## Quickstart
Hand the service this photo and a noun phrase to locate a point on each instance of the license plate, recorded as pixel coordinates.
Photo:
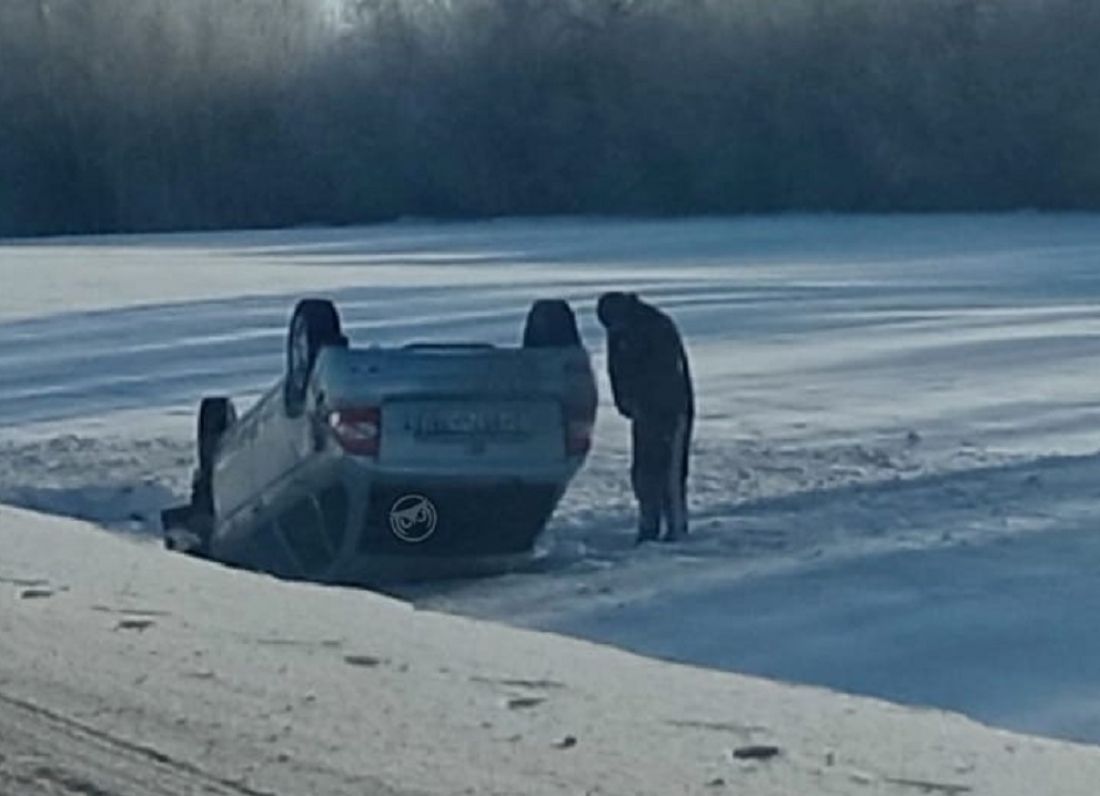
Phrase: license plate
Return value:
(465, 423)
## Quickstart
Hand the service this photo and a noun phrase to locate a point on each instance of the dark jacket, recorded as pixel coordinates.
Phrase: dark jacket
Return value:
(648, 366)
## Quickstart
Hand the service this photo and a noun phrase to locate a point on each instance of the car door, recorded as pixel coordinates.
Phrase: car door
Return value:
(282, 444)
(234, 482)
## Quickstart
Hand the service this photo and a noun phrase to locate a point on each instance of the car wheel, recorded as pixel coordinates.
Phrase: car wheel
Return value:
(551, 323)
(216, 415)
(314, 325)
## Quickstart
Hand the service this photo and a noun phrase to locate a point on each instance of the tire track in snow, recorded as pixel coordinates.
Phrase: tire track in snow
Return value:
(48, 754)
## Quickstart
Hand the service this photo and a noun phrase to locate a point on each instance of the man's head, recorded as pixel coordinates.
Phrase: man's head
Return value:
(615, 309)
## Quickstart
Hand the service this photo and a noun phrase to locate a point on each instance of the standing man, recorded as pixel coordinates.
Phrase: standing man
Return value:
(651, 384)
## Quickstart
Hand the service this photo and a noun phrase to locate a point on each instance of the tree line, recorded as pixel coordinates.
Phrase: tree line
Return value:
(125, 115)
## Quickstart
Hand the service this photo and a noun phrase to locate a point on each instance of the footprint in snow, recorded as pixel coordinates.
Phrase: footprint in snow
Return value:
(26, 582)
(524, 703)
(135, 623)
(365, 661)
(541, 684)
(520, 683)
(755, 752)
(129, 612)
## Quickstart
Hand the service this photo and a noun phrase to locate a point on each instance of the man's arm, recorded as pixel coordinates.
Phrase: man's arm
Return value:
(622, 372)
(664, 369)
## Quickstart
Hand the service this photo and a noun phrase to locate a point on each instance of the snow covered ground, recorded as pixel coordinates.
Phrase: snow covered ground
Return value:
(130, 672)
(895, 463)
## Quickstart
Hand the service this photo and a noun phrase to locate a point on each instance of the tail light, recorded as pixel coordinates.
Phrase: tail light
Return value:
(578, 437)
(359, 430)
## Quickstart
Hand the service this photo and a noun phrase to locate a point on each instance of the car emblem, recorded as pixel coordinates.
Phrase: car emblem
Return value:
(413, 518)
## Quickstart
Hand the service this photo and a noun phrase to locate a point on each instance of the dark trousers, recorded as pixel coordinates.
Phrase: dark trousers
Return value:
(659, 474)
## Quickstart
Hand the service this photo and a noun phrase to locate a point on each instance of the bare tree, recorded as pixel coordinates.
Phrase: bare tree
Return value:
(159, 114)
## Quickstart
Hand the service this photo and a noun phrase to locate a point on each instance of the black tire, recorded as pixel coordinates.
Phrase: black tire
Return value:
(216, 415)
(313, 325)
(551, 324)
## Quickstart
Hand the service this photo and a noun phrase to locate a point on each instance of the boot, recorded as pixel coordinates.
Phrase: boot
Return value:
(649, 527)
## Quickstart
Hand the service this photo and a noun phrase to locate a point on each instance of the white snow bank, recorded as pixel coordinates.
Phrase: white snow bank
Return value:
(291, 688)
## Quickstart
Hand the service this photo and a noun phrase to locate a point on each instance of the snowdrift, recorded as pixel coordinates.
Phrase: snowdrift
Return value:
(127, 670)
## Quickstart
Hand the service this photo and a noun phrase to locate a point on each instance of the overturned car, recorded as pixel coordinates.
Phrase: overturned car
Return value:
(377, 463)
